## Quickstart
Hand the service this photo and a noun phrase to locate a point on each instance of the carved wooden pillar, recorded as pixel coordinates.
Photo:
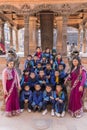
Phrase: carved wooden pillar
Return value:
(11, 35)
(84, 40)
(79, 38)
(59, 34)
(26, 35)
(2, 39)
(32, 34)
(64, 35)
(46, 21)
(17, 45)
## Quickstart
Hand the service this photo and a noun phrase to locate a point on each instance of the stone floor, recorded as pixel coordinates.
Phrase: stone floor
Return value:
(35, 121)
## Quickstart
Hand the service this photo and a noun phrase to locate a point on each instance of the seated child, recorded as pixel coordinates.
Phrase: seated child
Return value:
(32, 80)
(60, 101)
(48, 72)
(35, 61)
(48, 98)
(55, 79)
(43, 62)
(62, 72)
(38, 68)
(28, 63)
(25, 78)
(42, 79)
(47, 54)
(38, 53)
(26, 97)
(37, 98)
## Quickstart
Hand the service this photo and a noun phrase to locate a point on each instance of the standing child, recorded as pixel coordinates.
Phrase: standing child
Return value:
(60, 101)
(26, 97)
(48, 98)
(25, 78)
(11, 85)
(37, 98)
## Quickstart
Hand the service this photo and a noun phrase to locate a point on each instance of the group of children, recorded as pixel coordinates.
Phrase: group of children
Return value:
(42, 83)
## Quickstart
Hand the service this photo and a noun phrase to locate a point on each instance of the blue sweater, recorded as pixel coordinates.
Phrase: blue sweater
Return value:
(46, 95)
(26, 95)
(37, 97)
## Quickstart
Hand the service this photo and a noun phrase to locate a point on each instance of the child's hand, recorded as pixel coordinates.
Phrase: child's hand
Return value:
(57, 99)
(51, 97)
(61, 101)
(26, 101)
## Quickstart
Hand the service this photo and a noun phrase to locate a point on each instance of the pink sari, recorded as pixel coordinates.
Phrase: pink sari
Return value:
(11, 84)
(75, 102)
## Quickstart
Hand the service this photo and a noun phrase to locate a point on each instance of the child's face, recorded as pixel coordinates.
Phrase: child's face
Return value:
(59, 56)
(56, 73)
(51, 61)
(27, 88)
(58, 88)
(48, 66)
(60, 67)
(48, 89)
(32, 75)
(11, 64)
(29, 57)
(26, 73)
(37, 87)
(38, 50)
(39, 66)
(35, 58)
(41, 73)
(48, 50)
(43, 58)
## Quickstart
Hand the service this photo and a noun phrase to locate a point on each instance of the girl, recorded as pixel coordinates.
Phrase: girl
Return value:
(78, 78)
(11, 85)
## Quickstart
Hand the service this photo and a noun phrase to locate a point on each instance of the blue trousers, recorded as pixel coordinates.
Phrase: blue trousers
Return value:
(46, 103)
(59, 107)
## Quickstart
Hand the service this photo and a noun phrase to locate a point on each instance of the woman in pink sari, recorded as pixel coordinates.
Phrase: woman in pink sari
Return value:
(11, 85)
(78, 78)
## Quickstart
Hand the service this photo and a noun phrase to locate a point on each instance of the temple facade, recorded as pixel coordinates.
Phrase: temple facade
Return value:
(44, 23)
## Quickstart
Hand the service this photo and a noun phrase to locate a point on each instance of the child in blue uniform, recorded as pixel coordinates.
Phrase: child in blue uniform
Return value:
(37, 98)
(32, 80)
(48, 98)
(26, 97)
(60, 101)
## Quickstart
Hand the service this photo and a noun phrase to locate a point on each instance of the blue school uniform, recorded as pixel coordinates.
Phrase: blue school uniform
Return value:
(32, 82)
(37, 99)
(60, 107)
(47, 100)
(28, 65)
(25, 95)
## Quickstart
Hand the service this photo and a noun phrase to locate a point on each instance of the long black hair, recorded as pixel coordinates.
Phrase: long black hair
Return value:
(79, 63)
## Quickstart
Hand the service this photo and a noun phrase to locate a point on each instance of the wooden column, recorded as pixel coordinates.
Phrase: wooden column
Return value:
(26, 35)
(46, 21)
(32, 34)
(17, 45)
(2, 39)
(64, 35)
(59, 34)
(79, 38)
(84, 40)
(11, 35)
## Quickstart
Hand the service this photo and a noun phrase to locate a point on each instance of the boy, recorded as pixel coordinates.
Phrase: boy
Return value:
(26, 97)
(60, 101)
(42, 79)
(37, 98)
(48, 98)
